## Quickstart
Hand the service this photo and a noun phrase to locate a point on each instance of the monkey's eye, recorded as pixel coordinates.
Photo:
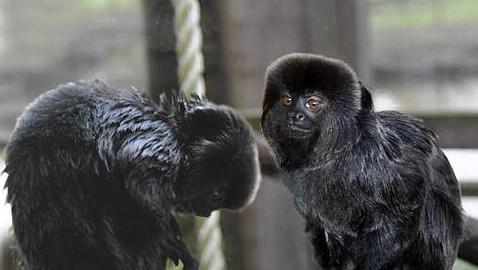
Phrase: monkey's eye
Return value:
(286, 100)
(312, 104)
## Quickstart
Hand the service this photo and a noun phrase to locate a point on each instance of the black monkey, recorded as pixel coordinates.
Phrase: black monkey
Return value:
(94, 173)
(374, 188)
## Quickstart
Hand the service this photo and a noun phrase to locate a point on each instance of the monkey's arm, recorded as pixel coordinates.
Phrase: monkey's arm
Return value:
(138, 147)
(152, 187)
(140, 151)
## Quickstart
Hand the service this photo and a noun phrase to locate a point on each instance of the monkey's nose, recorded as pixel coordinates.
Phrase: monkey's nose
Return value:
(299, 116)
(295, 117)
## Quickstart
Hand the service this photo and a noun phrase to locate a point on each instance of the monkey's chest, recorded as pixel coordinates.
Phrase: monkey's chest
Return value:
(329, 204)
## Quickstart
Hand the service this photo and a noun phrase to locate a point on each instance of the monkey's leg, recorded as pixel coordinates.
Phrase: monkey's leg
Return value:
(327, 250)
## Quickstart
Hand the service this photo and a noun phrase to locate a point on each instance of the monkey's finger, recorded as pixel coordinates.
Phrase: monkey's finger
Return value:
(191, 264)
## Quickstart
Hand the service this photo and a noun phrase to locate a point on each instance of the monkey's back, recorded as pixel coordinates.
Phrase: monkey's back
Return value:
(56, 135)
(440, 223)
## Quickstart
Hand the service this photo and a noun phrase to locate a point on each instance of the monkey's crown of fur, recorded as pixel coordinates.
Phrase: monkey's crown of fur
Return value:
(302, 72)
(307, 61)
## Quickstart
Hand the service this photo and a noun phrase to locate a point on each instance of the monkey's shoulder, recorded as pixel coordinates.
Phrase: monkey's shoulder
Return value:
(138, 135)
(397, 134)
(404, 125)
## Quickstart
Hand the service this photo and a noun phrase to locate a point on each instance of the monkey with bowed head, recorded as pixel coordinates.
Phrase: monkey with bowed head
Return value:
(94, 173)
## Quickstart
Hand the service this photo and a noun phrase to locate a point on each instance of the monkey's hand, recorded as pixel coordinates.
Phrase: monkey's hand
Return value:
(176, 249)
(190, 263)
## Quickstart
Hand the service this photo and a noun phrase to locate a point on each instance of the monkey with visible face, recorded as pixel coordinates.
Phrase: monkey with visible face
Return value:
(94, 173)
(374, 188)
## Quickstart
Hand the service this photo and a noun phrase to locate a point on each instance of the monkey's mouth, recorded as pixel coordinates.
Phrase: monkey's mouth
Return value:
(193, 208)
(202, 213)
(299, 131)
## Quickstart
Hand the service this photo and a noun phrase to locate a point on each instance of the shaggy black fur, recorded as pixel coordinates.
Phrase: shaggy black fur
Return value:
(93, 175)
(374, 188)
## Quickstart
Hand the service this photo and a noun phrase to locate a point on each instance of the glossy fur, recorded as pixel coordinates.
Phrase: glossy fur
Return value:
(94, 173)
(374, 188)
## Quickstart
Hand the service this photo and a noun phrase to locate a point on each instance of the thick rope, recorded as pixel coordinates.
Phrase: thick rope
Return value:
(210, 244)
(190, 75)
(188, 46)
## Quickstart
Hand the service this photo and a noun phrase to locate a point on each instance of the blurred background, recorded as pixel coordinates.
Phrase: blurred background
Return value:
(417, 56)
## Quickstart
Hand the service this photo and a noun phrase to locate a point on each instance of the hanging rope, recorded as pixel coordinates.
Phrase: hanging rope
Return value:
(210, 244)
(188, 46)
(190, 75)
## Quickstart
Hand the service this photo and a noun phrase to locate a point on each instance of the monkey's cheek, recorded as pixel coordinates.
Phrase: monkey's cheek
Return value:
(239, 199)
(257, 178)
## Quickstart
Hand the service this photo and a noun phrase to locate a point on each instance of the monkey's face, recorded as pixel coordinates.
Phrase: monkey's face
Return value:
(201, 200)
(225, 178)
(307, 95)
(221, 169)
(297, 116)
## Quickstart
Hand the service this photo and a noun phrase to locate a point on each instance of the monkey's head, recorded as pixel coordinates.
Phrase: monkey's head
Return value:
(220, 167)
(308, 96)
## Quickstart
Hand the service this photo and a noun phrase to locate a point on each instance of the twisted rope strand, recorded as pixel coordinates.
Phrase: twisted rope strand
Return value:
(188, 46)
(190, 74)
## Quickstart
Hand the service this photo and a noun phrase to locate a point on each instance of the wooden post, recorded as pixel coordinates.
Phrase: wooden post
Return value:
(161, 53)
(340, 29)
(254, 33)
(160, 46)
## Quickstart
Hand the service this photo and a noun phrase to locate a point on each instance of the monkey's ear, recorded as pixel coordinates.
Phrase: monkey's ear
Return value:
(366, 101)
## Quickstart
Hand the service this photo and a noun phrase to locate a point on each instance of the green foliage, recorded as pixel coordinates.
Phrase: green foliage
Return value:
(462, 265)
(106, 4)
(171, 266)
(423, 14)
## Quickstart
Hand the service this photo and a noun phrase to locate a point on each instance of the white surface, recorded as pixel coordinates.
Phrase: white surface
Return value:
(470, 205)
(2, 36)
(464, 163)
(5, 212)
